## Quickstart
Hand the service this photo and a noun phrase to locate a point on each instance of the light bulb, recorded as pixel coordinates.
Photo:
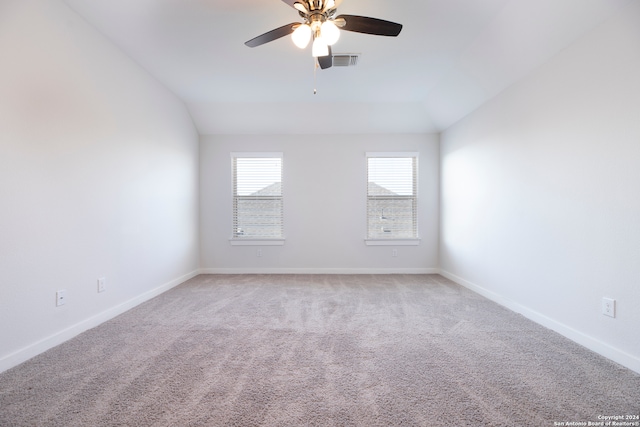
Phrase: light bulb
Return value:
(330, 33)
(301, 36)
(319, 48)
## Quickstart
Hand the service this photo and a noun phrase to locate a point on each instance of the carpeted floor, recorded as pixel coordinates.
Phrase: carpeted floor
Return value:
(294, 350)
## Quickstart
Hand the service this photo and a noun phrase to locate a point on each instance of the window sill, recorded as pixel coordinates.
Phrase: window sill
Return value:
(392, 242)
(256, 242)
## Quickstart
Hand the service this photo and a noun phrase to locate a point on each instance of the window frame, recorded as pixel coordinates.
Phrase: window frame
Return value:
(235, 240)
(394, 240)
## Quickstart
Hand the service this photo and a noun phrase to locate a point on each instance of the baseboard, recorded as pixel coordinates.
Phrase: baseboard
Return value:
(591, 343)
(58, 338)
(319, 271)
(625, 359)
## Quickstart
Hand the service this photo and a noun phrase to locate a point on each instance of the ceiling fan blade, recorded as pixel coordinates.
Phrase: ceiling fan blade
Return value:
(326, 61)
(363, 24)
(272, 35)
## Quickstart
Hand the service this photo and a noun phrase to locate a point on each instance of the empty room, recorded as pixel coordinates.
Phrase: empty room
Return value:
(320, 213)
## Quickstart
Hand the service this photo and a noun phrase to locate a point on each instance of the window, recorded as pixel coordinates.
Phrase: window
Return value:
(392, 198)
(257, 198)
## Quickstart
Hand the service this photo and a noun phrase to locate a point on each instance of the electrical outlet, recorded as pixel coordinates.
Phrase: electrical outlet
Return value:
(61, 297)
(609, 307)
(102, 284)
(394, 252)
(259, 253)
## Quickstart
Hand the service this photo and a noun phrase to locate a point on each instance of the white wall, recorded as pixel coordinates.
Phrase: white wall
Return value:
(540, 192)
(325, 205)
(98, 178)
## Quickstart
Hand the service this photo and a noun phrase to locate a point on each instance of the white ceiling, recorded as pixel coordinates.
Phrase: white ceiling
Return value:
(451, 57)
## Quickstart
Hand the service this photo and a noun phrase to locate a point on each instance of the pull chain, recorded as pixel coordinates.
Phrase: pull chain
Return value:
(315, 72)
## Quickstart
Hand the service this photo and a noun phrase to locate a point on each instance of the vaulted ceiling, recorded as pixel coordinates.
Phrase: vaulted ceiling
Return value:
(451, 57)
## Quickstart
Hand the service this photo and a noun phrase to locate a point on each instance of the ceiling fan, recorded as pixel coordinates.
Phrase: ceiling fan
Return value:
(321, 25)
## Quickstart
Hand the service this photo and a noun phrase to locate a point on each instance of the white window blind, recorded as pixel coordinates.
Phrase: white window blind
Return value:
(392, 196)
(257, 196)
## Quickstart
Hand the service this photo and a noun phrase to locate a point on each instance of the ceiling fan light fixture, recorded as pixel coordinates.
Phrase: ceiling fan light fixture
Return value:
(329, 4)
(301, 7)
(319, 48)
(322, 26)
(301, 36)
(330, 33)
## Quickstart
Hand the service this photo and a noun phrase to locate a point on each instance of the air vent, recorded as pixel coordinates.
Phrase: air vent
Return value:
(345, 60)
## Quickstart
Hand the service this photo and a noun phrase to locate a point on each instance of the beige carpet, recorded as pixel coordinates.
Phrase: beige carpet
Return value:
(396, 350)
